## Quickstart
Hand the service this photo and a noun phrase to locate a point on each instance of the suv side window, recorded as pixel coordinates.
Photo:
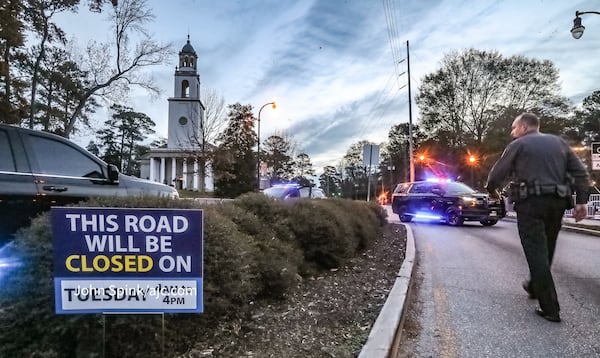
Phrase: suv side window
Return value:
(421, 188)
(401, 188)
(57, 158)
(6, 159)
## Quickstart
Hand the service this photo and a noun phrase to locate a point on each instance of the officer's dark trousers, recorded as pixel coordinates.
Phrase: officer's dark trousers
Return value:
(539, 219)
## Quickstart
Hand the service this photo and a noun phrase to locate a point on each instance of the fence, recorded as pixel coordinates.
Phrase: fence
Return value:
(593, 207)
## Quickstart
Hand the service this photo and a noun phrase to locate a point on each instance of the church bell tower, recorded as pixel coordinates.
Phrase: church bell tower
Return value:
(186, 111)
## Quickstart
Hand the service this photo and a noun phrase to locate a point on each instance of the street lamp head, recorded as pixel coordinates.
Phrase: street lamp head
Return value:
(274, 105)
(578, 28)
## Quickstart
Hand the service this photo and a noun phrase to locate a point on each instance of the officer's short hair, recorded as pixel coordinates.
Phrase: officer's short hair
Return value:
(530, 120)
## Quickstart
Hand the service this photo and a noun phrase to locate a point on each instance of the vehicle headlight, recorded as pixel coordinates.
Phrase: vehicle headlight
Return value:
(469, 201)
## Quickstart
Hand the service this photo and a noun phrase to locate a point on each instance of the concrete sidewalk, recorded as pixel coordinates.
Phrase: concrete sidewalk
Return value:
(589, 226)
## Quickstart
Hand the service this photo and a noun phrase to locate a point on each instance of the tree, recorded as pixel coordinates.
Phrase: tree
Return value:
(215, 121)
(40, 13)
(12, 99)
(122, 137)
(331, 181)
(20, 68)
(61, 83)
(93, 148)
(159, 143)
(302, 166)
(215, 116)
(234, 162)
(354, 184)
(110, 71)
(460, 101)
(276, 154)
(396, 161)
(590, 117)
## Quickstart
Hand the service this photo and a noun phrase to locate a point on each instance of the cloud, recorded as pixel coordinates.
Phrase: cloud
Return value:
(329, 64)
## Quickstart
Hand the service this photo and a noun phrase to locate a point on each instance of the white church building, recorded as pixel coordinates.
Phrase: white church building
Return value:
(178, 163)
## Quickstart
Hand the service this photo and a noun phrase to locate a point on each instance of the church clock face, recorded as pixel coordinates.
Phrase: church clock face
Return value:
(183, 121)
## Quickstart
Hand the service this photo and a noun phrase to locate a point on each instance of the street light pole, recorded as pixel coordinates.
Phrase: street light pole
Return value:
(578, 28)
(258, 140)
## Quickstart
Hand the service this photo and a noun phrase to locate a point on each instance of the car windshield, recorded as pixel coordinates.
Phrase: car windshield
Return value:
(455, 188)
(276, 192)
(306, 192)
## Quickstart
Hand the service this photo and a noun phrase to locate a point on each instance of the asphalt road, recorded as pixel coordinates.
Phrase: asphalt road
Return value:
(468, 300)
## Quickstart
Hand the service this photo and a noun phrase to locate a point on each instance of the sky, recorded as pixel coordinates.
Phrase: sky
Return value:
(330, 65)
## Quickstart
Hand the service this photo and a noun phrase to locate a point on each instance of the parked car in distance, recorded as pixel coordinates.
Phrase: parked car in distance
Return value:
(446, 201)
(283, 191)
(312, 192)
(39, 170)
(291, 191)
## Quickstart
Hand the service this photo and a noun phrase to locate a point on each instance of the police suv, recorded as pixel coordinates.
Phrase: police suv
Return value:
(445, 201)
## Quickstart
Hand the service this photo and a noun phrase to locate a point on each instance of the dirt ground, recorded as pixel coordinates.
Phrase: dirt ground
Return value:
(328, 316)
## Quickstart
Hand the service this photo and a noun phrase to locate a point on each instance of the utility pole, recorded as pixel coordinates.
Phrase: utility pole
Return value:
(410, 131)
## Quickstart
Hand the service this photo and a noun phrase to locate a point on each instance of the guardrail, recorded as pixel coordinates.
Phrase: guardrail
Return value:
(593, 206)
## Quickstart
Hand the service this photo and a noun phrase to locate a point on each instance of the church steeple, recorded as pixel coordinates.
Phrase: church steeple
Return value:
(187, 57)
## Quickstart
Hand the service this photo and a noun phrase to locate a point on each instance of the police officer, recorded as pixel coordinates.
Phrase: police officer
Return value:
(544, 170)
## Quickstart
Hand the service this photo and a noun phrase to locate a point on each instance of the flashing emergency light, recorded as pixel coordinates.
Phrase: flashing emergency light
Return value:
(439, 180)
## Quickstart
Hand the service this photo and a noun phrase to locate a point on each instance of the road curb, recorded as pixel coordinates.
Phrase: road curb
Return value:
(384, 337)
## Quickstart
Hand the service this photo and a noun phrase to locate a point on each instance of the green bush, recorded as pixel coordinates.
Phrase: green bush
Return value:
(365, 222)
(278, 260)
(269, 211)
(323, 232)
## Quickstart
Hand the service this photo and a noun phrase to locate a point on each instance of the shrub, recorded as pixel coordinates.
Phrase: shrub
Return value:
(278, 260)
(323, 232)
(365, 224)
(269, 211)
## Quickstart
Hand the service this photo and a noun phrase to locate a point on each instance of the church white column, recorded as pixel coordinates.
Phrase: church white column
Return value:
(152, 170)
(174, 171)
(184, 174)
(196, 176)
(162, 169)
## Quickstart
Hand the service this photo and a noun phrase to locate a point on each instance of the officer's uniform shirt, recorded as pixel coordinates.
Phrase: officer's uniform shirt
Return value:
(540, 157)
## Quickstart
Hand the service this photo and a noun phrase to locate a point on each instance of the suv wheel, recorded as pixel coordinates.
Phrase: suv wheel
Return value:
(402, 215)
(453, 218)
(488, 222)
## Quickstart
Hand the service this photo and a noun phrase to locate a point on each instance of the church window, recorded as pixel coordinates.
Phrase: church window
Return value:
(185, 85)
(183, 121)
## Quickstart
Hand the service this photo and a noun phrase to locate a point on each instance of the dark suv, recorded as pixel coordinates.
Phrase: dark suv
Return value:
(39, 170)
(447, 201)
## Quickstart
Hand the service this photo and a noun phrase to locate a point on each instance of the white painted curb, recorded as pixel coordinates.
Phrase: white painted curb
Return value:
(384, 338)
